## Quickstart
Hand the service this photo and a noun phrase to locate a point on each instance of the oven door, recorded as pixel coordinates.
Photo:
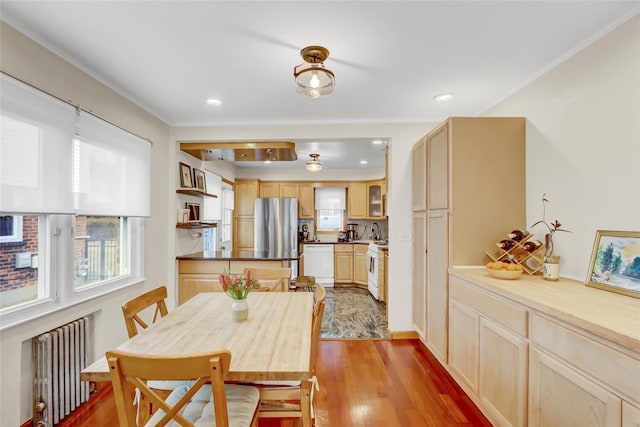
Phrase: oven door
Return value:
(372, 273)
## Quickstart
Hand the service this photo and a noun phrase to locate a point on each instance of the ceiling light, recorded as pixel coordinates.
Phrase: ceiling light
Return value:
(314, 165)
(443, 97)
(213, 101)
(267, 162)
(312, 77)
(377, 142)
(363, 162)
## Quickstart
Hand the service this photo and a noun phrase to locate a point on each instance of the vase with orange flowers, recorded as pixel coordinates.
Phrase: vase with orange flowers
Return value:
(238, 286)
(551, 262)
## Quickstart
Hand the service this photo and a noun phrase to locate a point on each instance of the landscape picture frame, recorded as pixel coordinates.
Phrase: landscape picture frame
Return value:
(615, 262)
(199, 180)
(194, 211)
(186, 177)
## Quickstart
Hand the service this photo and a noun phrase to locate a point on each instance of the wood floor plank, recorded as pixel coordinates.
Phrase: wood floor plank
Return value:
(368, 383)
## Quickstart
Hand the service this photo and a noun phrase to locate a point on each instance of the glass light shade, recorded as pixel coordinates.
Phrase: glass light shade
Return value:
(314, 165)
(314, 80)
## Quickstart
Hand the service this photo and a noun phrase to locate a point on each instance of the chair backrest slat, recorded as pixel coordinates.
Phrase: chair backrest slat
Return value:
(131, 308)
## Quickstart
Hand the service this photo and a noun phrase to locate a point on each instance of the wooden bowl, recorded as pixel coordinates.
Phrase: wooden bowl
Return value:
(504, 274)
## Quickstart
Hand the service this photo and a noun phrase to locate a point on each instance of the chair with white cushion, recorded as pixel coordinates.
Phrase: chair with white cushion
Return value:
(204, 401)
(287, 399)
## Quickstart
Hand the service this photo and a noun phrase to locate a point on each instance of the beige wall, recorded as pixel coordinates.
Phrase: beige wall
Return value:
(30, 62)
(583, 143)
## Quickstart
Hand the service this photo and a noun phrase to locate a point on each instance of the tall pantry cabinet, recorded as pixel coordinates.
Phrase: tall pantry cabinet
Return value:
(468, 191)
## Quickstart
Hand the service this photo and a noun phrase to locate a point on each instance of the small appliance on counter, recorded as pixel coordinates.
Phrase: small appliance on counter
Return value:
(303, 234)
(352, 233)
(342, 236)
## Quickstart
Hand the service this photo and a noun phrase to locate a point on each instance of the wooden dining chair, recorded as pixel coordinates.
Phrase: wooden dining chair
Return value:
(204, 400)
(131, 311)
(274, 279)
(132, 308)
(287, 399)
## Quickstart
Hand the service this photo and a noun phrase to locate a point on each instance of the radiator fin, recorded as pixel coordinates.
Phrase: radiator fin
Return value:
(58, 357)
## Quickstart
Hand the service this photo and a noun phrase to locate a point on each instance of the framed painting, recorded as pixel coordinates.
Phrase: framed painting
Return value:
(186, 179)
(615, 262)
(199, 180)
(194, 211)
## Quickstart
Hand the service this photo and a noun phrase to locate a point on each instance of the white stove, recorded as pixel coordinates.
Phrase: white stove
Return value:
(374, 257)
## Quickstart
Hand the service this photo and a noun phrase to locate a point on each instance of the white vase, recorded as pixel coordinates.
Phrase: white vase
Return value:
(239, 310)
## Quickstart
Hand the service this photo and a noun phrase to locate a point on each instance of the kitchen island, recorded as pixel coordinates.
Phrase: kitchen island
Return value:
(198, 272)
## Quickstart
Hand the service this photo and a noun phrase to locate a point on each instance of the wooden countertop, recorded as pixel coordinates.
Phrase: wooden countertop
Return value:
(610, 315)
(241, 256)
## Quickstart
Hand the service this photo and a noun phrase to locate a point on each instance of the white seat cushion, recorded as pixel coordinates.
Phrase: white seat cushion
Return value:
(278, 383)
(242, 402)
(167, 384)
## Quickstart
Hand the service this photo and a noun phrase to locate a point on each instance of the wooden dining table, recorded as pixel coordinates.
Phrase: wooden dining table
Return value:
(274, 343)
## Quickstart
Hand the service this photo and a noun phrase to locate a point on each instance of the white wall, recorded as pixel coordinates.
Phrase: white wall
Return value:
(402, 137)
(30, 62)
(583, 144)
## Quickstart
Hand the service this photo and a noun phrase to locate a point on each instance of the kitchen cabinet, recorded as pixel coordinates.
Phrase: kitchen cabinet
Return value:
(245, 192)
(456, 167)
(533, 355)
(562, 396)
(419, 282)
(243, 234)
(289, 189)
(436, 283)
(357, 200)
(269, 189)
(419, 175)
(306, 200)
(343, 263)
(374, 200)
(360, 267)
(197, 276)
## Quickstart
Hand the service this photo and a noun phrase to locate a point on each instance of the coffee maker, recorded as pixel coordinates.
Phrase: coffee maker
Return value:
(352, 233)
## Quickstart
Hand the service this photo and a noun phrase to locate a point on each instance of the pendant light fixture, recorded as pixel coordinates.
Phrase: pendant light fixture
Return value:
(312, 77)
(314, 165)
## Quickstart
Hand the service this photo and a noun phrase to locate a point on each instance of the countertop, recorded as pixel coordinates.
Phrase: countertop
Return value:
(382, 244)
(608, 314)
(241, 256)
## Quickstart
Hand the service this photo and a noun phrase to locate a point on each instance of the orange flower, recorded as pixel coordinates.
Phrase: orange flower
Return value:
(237, 286)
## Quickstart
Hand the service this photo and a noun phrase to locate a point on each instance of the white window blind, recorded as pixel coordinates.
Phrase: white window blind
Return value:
(330, 198)
(213, 205)
(36, 133)
(112, 168)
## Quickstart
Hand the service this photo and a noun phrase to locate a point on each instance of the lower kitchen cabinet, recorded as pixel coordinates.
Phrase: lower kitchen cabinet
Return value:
(360, 267)
(502, 385)
(437, 282)
(560, 396)
(343, 263)
(575, 363)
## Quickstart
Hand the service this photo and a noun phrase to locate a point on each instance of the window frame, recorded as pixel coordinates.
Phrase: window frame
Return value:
(56, 264)
(16, 235)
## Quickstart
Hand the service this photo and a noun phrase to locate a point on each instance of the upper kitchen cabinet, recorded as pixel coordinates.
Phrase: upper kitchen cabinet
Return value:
(305, 201)
(246, 191)
(438, 168)
(289, 189)
(419, 176)
(375, 200)
(358, 200)
(269, 189)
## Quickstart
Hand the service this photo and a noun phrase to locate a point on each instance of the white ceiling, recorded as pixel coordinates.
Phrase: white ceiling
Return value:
(389, 57)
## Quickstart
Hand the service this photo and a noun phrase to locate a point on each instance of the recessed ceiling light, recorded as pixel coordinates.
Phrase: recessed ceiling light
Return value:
(377, 142)
(443, 97)
(267, 162)
(363, 162)
(213, 101)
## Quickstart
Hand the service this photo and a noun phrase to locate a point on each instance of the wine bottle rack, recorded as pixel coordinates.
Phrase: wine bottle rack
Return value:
(531, 262)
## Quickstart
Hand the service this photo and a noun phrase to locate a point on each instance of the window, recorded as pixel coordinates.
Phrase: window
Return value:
(10, 229)
(71, 227)
(100, 249)
(226, 226)
(330, 205)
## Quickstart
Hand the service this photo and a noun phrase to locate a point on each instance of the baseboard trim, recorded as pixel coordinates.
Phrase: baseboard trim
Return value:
(404, 335)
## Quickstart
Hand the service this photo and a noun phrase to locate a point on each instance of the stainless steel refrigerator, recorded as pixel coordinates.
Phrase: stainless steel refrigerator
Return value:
(276, 226)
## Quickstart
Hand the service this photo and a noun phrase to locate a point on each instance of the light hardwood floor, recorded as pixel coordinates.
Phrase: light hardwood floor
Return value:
(362, 383)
